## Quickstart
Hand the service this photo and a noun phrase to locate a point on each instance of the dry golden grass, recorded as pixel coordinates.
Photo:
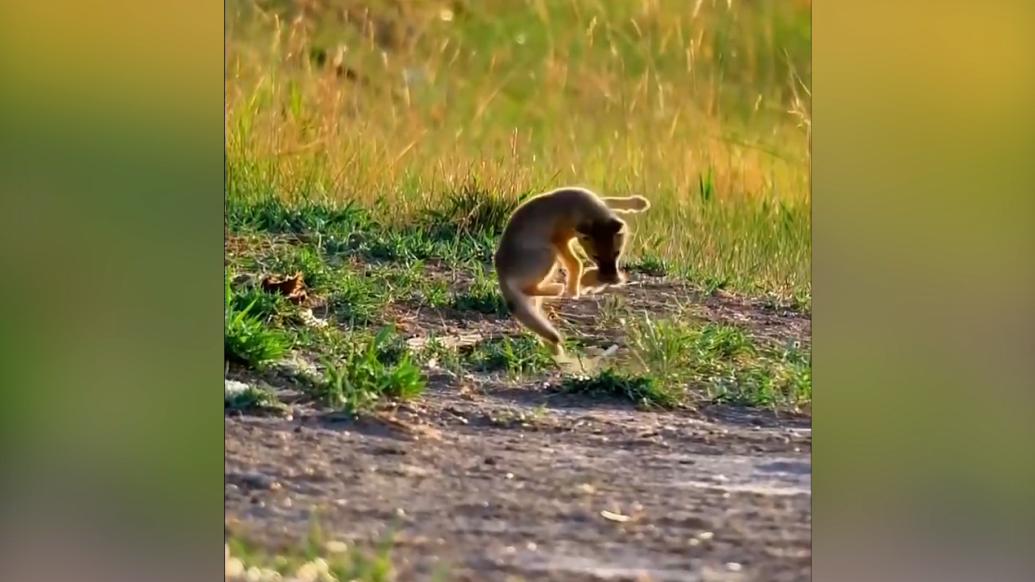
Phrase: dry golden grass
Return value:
(701, 106)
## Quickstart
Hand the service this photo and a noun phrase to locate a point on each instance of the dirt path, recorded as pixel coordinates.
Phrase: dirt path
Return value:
(502, 481)
(509, 484)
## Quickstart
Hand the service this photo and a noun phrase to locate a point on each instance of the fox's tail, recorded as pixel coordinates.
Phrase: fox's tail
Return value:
(627, 204)
(523, 309)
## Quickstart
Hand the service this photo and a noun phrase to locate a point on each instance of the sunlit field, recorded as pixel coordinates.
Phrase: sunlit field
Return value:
(401, 107)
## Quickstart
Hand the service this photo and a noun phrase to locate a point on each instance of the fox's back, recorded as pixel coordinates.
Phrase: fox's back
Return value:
(549, 215)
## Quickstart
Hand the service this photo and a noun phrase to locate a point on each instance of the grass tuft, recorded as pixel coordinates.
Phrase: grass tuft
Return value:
(517, 356)
(373, 369)
(276, 216)
(259, 303)
(356, 299)
(650, 264)
(645, 391)
(483, 296)
(723, 361)
(471, 210)
(247, 337)
(253, 399)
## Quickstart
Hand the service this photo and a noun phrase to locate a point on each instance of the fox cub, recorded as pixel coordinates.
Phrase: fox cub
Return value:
(540, 235)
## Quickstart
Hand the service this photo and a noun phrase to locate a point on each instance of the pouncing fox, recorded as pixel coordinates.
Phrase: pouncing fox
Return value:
(540, 236)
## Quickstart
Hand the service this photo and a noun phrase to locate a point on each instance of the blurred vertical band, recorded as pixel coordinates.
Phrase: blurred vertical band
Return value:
(923, 290)
(111, 179)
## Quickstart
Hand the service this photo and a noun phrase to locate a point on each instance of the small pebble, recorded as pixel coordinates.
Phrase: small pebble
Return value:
(307, 572)
(336, 547)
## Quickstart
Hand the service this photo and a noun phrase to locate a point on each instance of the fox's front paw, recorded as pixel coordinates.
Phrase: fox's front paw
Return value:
(572, 294)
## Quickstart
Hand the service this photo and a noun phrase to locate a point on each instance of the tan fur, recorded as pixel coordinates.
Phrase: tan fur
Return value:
(540, 236)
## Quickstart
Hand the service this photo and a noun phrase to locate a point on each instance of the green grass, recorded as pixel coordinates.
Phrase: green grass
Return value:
(457, 235)
(372, 369)
(356, 299)
(259, 304)
(436, 354)
(253, 399)
(483, 295)
(669, 360)
(384, 171)
(650, 264)
(644, 390)
(783, 381)
(316, 558)
(247, 336)
(671, 363)
(520, 356)
(722, 361)
(308, 261)
(471, 211)
(361, 368)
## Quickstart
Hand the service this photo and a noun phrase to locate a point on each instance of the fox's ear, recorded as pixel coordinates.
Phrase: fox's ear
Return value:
(614, 226)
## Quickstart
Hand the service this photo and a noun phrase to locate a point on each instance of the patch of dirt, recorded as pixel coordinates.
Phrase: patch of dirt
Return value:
(660, 297)
(595, 318)
(499, 481)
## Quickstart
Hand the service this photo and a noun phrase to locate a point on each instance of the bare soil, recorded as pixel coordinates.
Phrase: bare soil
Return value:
(487, 479)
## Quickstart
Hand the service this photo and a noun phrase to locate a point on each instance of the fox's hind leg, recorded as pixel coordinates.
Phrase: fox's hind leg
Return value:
(544, 287)
(572, 266)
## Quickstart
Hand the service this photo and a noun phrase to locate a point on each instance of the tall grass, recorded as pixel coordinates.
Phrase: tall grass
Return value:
(702, 106)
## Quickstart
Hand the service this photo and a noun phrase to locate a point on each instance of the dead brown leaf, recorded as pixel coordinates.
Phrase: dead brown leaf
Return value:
(291, 287)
